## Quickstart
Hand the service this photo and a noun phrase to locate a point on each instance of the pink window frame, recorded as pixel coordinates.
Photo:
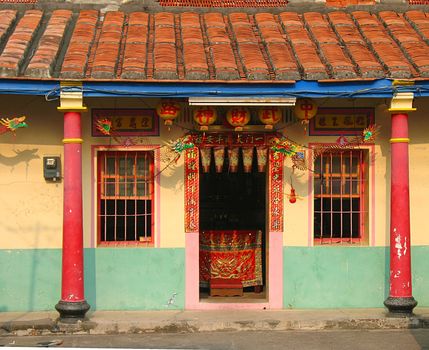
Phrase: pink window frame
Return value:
(370, 168)
(95, 195)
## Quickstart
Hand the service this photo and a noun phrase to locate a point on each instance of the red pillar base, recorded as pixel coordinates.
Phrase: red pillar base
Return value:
(71, 312)
(400, 306)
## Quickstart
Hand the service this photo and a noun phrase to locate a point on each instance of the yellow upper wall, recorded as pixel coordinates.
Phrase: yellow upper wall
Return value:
(33, 207)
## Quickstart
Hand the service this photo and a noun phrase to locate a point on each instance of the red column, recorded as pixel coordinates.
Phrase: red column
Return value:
(400, 300)
(72, 305)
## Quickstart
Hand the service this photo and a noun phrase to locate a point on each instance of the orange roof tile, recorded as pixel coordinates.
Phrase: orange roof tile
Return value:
(213, 46)
(17, 46)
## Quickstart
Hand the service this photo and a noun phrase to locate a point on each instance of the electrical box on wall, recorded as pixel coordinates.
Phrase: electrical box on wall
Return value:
(52, 168)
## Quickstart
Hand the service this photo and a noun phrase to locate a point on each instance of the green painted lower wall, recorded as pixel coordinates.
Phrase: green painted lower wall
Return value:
(115, 279)
(135, 279)
(30, 279)
(346, 277)
(146, 279)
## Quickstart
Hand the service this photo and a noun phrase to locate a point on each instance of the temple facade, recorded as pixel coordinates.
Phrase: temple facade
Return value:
(216, 159)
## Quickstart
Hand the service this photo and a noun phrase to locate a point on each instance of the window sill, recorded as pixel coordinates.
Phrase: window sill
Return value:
(125, 244)
(339, 242)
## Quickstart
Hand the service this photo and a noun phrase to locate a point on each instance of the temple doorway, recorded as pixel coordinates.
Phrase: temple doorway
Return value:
(232, 225)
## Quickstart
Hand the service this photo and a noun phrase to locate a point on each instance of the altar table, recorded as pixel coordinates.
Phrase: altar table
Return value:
(234, 254)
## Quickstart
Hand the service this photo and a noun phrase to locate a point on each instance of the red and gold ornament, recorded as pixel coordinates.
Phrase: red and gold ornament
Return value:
(292, 196)
(11, 125)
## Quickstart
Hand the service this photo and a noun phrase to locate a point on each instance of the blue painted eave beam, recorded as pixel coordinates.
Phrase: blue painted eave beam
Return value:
(357, 89)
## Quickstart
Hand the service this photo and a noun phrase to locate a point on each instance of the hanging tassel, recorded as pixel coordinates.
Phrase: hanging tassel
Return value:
(292, 195)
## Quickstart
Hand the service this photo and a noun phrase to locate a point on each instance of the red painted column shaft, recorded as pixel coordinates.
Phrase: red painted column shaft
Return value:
(400, 252)
(72, 268)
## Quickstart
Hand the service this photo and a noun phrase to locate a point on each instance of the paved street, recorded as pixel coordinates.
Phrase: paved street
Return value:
(302, 340)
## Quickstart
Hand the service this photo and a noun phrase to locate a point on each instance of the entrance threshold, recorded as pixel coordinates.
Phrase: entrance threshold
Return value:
(247, 297)
(245, 305)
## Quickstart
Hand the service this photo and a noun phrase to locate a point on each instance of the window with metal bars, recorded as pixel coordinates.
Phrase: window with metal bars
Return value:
(125, 188)
(341, 197)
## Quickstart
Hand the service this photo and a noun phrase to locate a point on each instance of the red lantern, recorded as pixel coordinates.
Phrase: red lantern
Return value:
(168, 111)
(270, 116)
(238, 117)
(305, 109)
(205, 116)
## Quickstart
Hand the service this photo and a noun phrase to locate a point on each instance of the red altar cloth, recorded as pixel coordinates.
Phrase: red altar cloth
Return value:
(231, 254)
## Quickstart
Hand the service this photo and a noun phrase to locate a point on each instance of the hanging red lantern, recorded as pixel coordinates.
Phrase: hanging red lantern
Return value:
(168, 111)
(205, 116)
(292, 195)
(238, 117)
(270, 116)
(305, 109)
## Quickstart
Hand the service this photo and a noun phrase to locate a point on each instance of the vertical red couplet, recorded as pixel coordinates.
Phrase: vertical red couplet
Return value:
(72, 269)
(400, 252)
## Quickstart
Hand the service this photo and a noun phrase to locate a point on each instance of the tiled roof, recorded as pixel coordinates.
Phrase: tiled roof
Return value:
(213, 46)
(344, 3)
(224, 3)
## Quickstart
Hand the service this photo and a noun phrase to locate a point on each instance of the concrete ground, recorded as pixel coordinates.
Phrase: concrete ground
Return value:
(177, 321)
(401, 339)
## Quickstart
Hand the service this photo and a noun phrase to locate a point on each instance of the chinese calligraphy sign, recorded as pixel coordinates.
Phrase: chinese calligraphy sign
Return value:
(341, 121)
(127, 122)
